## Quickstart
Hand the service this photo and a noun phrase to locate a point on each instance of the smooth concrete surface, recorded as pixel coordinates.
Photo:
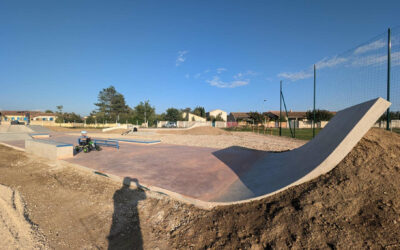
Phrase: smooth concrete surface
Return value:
(279, 171)
(19, 129)
(39, 135)
(195, 172)
(49, 149)
(39, 129)
(139, 141)
(14, 136)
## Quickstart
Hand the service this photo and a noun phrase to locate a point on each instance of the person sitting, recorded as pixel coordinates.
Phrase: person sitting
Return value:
(84, 139)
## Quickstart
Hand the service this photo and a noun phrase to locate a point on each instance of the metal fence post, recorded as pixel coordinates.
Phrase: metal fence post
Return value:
(388, 79)
(313, 124)
(280, 110)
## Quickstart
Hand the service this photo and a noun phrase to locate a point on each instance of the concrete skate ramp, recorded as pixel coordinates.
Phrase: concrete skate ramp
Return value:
(278, 171)
(39, 129)
(49, 149)
(19, 129)
(14, 136)
(14, 129)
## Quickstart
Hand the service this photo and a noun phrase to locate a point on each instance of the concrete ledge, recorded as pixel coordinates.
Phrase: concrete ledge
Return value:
(39, 135)
(49, 149)
(135, 141)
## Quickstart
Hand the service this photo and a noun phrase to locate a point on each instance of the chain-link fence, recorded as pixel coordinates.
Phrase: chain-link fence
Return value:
(357, 75)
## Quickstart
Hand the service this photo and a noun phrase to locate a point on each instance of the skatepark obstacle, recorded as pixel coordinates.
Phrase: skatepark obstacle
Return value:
(49, 149)
(279, 171)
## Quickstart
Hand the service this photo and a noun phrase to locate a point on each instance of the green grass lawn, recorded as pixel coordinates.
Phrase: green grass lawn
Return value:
(302, 134)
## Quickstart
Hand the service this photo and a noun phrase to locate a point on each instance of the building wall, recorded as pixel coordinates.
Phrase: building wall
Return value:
(44, 118)
(10, 118)
(193, 117)
(216, 112)
(13, 118)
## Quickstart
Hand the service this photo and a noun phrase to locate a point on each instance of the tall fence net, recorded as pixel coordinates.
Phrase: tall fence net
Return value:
(354, 76)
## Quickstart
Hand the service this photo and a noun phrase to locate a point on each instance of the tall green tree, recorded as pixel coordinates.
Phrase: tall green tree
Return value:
(60, 115)
(104, 99)
(173, 115)
(144, 112)
(320, 115)
(256, 117)
(111, 105)
(72, 117)
(200, 111)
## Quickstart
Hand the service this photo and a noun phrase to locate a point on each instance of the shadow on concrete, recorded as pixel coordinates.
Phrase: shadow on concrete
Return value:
(125, 230)
(239, 159)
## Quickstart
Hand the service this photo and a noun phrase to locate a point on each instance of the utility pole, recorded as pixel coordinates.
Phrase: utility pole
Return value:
(280, 110)
(388, 79)
(313, 124)
(145, 114)
(262, 111)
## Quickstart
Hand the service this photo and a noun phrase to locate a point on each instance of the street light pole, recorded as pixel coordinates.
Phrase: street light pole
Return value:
(263, 109)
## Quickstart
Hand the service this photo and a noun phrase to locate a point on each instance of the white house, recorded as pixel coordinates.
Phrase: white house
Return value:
(217, 112)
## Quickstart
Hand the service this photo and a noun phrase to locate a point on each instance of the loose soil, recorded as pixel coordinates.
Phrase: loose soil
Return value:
(78, 130)
(356, 205)
(195, 131)
(239, 139)
(16, 229)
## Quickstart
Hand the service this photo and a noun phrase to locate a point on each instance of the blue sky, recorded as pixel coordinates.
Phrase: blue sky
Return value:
(217, 54)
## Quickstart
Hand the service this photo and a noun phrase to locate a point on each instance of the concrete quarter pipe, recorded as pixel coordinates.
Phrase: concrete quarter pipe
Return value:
(278, 171)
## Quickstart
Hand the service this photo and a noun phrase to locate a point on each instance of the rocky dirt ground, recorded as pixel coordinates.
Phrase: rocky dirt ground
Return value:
(214, 138)
(200, 136)
(354, 206)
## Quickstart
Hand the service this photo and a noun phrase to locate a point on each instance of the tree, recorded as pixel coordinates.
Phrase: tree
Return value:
(104, 100)
(60, 117)
(48, 111)
(393, 116)
(118, 105)
(256, 117)
(320, 115)
(187, 110)
(144, 112)
(218, 118)
(59, 109)
(173, 115)
(200, 111)
(90, 120)
(72, 117)
(110, 105)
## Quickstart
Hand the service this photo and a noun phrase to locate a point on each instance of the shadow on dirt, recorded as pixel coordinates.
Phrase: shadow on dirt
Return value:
(125, 230)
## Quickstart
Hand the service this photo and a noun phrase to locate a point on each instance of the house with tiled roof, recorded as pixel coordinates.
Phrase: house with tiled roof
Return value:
(24, 115)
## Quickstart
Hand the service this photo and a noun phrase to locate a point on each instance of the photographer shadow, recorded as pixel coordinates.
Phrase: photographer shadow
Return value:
(125, 231)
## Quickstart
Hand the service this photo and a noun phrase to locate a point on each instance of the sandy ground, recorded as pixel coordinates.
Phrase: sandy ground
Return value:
(216, 139)
(354, 206)
(202, 137)
(16, 229)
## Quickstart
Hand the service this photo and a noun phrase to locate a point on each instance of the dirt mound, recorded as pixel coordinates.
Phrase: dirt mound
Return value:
(354, 206)
(16, 230)
(197, 131)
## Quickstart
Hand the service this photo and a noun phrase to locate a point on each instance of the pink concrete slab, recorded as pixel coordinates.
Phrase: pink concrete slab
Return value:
(192, 171)
(197, 172)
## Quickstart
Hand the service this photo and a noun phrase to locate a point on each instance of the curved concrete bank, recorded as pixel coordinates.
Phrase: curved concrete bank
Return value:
(279, 171)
